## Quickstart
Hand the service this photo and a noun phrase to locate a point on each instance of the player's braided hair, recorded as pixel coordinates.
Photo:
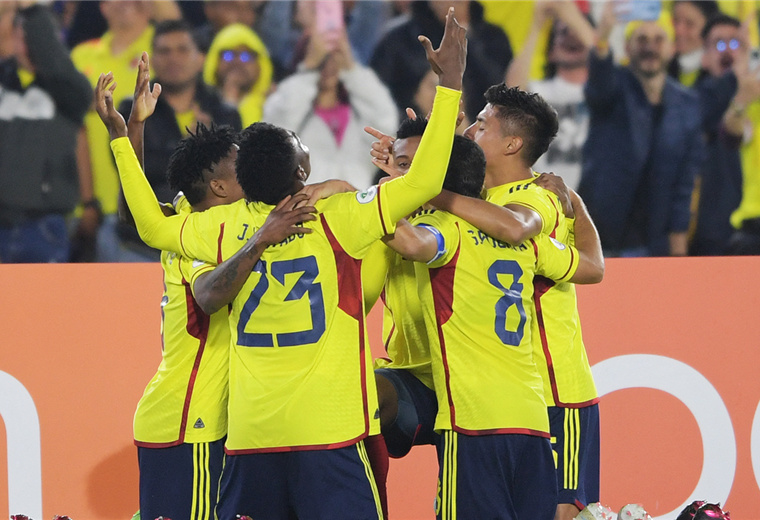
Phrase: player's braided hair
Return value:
(195, 154)
(527, 115)
(266, 163)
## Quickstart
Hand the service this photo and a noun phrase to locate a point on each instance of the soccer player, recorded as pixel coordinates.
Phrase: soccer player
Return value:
(181, 420)
(495, 460)
(514, 129)
(299, 403)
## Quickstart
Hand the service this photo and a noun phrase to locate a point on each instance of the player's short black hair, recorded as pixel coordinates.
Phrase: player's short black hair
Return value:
(266, 163)
(708, 8)
(172, 26)
(467, 168)
(411, 128)
(719, 19)
(196, 153)
(525, 114)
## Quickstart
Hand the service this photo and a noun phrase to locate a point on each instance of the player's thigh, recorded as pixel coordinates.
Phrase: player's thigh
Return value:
(495, 476)
(254, 485)
(416, 409)
(180, 481)
(333, 485)
(535, 482)
(575, 439)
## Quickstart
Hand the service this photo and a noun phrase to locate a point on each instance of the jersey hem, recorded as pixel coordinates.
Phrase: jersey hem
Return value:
(502, 431)
(306, 447)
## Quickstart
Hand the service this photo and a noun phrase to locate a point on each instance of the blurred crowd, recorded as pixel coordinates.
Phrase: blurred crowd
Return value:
(659, 111)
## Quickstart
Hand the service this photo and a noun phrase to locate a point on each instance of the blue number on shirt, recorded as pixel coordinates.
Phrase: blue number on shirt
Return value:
(305, 285)
(512, 296)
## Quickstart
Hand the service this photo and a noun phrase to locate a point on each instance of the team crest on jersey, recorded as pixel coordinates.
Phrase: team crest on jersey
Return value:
(558, 244)
(367, 196)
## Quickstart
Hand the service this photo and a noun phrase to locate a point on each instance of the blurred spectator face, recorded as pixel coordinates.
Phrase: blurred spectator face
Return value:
(688, 22)
(328, 79)
(441, 9)
(403, 152)
(176, 60)
(125, 14)
(567, 50)
(425, 94)
(649, 49)
(239, 63)
(221, 13)
(721, 48)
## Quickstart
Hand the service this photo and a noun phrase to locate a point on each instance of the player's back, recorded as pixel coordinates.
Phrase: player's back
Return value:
(478, 297)
(300, 360)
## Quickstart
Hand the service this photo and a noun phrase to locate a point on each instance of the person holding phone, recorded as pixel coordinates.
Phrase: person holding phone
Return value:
(329, 101)
(644, 143)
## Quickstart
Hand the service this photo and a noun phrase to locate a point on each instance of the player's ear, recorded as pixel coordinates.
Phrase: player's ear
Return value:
(218, 188)
(513, 145)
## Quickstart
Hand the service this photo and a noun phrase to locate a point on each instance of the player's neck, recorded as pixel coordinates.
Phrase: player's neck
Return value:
(505, 174)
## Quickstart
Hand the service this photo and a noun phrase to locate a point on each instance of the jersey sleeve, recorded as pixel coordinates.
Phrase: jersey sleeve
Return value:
(401, 196)
(375, 268)
(192, 235)
(192, 269)
(555, 260)
(443, 226)
(543, 202)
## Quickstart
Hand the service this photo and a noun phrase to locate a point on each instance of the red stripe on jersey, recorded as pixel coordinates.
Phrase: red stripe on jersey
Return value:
(181, 233)
(197, 327)
(309, 447)
(351, 301)
(553, 234)
(380, 209)
(572, 261)
(442, 284)
(219, 258)
(502, 431)
(142, 444)
(390, 335)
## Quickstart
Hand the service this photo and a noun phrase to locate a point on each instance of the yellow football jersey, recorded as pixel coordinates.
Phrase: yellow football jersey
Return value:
(476, 298)
(404, 329)
(93, 58)
(557, 339)
(300, 364)
(186, 401)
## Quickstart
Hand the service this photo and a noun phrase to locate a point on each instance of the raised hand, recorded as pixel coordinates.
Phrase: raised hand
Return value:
(282, 221)
(145, 100)
(111, 117)
(382, 148)
(450, 59)
(322, 190)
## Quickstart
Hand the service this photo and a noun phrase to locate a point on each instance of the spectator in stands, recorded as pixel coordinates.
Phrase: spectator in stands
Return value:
(644, 143)
(220, 14)
(118, 50)
(328, 102)
(689, 20)
(185, 100)
(571, 38)
(719, 184)
(285, 26)
(399, 57)
(238, 65)
(43, 100)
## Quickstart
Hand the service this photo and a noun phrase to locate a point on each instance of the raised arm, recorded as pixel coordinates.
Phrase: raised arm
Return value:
(424, 181)
(215, 289)
(156, 230)
(416, 243)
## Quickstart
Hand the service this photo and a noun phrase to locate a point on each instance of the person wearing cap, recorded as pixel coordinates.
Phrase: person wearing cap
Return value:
(238, 65)
(644, 143)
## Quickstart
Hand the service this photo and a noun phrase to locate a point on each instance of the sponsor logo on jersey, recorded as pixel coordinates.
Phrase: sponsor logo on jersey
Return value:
(559, 245)
(199, 424)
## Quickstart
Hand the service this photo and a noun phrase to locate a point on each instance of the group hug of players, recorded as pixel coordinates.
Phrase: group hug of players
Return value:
(266, 404)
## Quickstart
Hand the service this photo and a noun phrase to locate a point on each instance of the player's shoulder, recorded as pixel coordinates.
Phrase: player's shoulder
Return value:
(343, 201)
